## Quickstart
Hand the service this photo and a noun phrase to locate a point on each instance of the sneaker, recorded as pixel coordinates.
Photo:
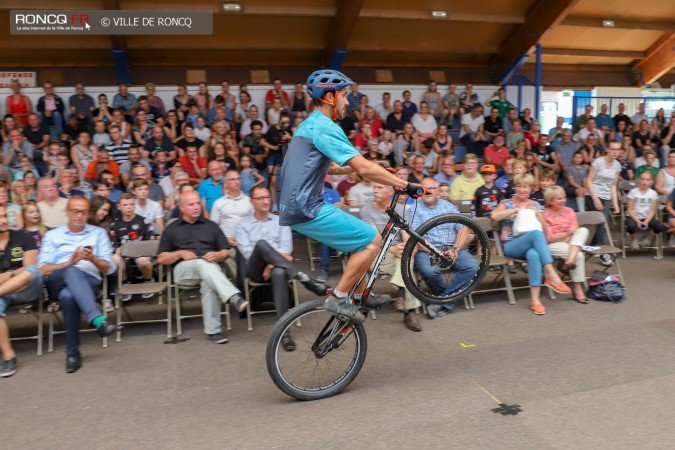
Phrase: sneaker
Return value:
(635, 245)
(606, 259)
(238, 302)
(149, 294)
(8, 368)
(126, 297)
(646, 242)
(434, 311)
(108, 305)
(323, 276)
(375, 301)
(344, 309)
(218, 338)
(671, 241)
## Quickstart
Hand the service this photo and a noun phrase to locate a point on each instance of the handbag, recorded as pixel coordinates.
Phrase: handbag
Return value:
(526, 220)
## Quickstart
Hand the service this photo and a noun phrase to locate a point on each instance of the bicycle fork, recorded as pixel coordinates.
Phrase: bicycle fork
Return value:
(329, 340)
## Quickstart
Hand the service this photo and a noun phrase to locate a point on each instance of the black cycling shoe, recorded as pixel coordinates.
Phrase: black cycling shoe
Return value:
(315, 286)
(375, 301)
(343, 309)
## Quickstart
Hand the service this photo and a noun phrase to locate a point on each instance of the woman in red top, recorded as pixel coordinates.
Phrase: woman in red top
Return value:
(565, 239)
(18, 104)
(532, 136)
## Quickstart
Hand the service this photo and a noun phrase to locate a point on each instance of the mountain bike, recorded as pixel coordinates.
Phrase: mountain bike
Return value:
(330, 352)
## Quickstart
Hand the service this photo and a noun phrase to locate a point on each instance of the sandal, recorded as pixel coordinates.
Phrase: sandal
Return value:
(583, 301)
(561, 288)
(564, 267)
(538, 309)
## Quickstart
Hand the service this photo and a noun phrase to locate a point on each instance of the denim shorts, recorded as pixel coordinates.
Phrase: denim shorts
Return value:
(32, 292)
(338, 230)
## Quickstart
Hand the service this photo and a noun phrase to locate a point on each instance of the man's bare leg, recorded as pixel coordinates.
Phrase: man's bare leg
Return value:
(357, 265)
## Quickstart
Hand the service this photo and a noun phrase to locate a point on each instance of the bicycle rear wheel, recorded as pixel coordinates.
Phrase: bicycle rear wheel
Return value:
(328, 354)
(456, 284)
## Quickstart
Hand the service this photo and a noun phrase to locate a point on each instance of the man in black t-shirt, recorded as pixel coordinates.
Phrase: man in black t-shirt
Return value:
(197, 246)
(39, 136)
(20, 282)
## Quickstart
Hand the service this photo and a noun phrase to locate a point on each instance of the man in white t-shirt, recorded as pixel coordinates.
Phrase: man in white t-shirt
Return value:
(227, 211)
(472, 135)
(361, 193)
(150, 210)
(591, 128)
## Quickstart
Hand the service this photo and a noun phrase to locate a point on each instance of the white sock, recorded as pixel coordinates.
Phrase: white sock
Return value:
(339, 294)
(581, 204)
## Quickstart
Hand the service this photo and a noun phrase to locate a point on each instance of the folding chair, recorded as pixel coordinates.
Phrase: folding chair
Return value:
(250, 286)
(464, 206)
(177, 288)
(498, 260)
(136, 249)
(624, 187)
(27, 308)
(596, 219)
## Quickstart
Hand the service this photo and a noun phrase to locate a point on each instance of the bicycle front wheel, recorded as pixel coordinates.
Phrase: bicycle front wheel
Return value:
(451, 282)
(328, 355)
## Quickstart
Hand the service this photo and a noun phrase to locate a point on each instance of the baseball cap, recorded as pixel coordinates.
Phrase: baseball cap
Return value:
(488, 168)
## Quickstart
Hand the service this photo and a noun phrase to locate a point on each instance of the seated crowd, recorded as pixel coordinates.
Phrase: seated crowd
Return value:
(77, 184)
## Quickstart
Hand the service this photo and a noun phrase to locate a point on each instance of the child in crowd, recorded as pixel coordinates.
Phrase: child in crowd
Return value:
(149, 209)
(101, 138)
(131, 227)
(488, 196)
(444, 191)
(576, 180)
(32, 222)
(386, 147)
(547, 179)
(641, 210)
(159, 168)
(50, 157)
(648, 166)
(250, 176)
(519, 168)
(627, 169)
(507, 175)
(193, 115)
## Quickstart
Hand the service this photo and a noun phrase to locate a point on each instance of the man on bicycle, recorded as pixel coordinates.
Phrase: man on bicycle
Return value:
(318, 148)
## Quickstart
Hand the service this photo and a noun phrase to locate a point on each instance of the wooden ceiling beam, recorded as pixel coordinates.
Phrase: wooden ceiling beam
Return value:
(592, 53)
(342, 27)
(539, 20)
(659, 59)
(625, 24)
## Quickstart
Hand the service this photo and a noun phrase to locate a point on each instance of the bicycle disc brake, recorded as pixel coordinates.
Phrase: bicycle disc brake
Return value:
(444, 261)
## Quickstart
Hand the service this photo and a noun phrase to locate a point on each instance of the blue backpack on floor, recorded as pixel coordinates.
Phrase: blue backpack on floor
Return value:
(606, 287)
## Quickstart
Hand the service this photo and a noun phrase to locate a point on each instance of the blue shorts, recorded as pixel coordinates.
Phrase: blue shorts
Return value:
(31, 293)
(338, 230)
(274, 159)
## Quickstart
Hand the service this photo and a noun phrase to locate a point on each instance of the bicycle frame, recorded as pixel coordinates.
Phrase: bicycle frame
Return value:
(395, 225)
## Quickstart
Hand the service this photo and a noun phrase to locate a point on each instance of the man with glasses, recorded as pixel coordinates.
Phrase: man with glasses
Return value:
(266, 249)
(211, 189)
(81, 106)
(465, 265)
(52, 207)
(74, 258)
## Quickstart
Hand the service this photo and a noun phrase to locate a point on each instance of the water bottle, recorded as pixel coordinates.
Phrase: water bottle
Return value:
(643, 226)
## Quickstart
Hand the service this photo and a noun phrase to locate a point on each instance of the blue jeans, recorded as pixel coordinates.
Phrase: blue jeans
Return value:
(324, 261)
(55, 124)
(472, 146)
(76, 291)
(465, 267)
(533, 247)
(31, 293)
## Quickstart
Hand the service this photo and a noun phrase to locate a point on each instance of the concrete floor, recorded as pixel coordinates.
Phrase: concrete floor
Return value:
(593, 376)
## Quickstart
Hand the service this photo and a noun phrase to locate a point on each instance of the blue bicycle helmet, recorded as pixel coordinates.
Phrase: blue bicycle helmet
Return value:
(322, 81)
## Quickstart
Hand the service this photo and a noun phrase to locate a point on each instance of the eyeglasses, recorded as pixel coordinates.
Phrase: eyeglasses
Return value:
(263, 198)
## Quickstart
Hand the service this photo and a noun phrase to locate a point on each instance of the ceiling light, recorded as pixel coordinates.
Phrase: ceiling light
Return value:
(439, 14)
(231, 7)
(608, 23)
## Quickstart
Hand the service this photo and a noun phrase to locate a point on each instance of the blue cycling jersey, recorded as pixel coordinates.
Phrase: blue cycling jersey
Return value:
(317, 142)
